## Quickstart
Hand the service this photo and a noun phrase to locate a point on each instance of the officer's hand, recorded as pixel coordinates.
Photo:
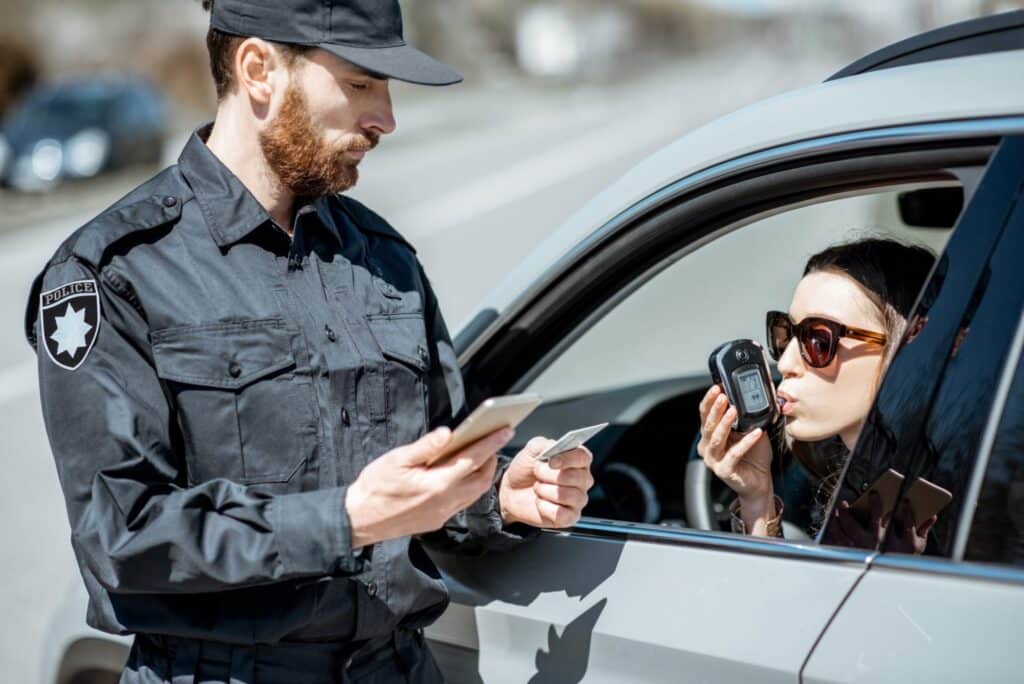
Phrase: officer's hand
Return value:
(398, 495)
(549, 494)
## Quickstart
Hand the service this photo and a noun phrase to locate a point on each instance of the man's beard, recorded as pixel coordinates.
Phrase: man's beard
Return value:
(302, 160)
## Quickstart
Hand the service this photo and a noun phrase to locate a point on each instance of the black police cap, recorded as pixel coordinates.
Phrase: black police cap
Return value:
(367, 33)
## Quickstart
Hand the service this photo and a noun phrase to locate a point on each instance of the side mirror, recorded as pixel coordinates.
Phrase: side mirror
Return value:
(936, 208)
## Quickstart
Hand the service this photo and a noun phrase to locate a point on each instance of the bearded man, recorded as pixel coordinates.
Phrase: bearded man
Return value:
(244, 375)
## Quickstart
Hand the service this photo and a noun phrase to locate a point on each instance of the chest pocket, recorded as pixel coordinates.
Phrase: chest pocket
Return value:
(402, 340)
(245, 410)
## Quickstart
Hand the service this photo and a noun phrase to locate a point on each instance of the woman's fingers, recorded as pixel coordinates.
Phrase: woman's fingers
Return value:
(718, 408)
(705, 403)
(740, 449)
(926, 526)
(863, 534)
(719, 437)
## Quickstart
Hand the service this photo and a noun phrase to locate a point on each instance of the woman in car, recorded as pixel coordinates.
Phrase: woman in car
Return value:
(844, 324)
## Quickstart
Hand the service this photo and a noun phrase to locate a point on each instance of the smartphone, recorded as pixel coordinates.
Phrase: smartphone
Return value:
(926, 499)
(571, 440)
(490, 416)
(887, 486)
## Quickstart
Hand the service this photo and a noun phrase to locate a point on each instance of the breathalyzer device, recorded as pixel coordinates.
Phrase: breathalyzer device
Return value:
(741, 368)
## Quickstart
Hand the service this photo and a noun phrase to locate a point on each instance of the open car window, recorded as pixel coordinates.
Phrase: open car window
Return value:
(643, 364)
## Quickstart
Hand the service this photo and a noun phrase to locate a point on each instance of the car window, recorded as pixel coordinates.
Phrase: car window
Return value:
(932, 410)
(717, 293)
(644, 364)
(997, 531)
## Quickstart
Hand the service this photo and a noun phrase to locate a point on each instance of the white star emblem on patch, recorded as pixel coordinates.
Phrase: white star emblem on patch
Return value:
(71, 331)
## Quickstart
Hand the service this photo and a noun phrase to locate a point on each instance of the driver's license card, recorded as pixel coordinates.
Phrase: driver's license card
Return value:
(571, 440)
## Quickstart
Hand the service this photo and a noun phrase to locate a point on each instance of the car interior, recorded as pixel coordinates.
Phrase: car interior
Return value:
(641, 363)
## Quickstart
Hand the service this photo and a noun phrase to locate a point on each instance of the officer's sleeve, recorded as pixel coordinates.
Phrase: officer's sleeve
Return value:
(135, 524)
(479, 528)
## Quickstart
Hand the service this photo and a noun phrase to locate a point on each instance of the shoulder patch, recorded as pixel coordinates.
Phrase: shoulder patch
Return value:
(69, 321)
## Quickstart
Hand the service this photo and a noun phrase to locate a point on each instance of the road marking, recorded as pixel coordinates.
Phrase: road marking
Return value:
(416, 158)
(17, 381)
(557, 165)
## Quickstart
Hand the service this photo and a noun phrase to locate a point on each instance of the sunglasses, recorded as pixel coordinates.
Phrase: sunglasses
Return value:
(818, 337)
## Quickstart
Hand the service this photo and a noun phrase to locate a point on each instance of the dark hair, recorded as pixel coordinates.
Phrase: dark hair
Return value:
(222, 47)
(892, 275)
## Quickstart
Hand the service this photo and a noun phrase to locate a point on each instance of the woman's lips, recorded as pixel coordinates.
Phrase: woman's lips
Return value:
(786, 403)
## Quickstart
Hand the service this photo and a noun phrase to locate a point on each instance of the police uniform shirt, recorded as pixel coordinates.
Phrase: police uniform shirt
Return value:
(210, 387)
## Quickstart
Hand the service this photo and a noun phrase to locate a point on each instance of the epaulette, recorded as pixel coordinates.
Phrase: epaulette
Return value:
(92, 241)
(369, 220)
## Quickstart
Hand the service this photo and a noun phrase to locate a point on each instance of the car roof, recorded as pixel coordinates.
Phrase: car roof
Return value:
(993, 33)
(973, 87)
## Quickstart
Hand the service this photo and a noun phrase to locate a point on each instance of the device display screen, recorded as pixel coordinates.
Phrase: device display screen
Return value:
(751, 387)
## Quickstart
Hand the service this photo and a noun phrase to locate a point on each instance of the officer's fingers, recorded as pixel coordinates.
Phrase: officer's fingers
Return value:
(475, 484)
(580, 457)
(556, 515)
(425, 449)
(571, 477)
(537, 446)
(563, 496)
(476, 454)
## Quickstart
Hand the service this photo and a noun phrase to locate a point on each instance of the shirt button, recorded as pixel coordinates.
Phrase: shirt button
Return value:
(423, 353)
(170, 201)
(234, 370)
(330, 333)
(371, 588)
(344, 416)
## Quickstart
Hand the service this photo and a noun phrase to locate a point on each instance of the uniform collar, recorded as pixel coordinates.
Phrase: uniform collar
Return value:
(230, 210)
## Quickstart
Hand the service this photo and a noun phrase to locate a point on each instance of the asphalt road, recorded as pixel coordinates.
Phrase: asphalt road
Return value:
(474, 178)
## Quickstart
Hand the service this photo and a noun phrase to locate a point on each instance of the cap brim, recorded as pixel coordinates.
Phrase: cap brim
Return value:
(401, 62)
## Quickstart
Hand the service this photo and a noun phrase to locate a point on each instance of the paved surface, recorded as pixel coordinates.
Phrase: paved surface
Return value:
(474, 178)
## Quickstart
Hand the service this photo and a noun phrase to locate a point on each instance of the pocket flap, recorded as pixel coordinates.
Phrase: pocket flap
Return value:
(401, 337)
(224, 355)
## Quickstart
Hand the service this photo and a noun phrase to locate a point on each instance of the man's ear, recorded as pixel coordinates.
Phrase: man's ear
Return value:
(258, 70)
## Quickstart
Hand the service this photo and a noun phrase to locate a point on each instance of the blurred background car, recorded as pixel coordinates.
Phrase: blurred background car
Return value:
(79, 129)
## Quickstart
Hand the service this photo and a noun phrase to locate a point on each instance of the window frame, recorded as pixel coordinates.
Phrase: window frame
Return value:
(667, 222)
(995, 418)
(908, 424)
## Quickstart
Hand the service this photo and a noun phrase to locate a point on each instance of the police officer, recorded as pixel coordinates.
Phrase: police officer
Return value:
(243, 373)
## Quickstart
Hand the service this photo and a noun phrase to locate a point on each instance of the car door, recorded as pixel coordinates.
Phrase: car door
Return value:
(641, 596)
(952, 613)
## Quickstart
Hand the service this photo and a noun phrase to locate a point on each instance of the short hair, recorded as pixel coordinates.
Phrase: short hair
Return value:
(222, 47)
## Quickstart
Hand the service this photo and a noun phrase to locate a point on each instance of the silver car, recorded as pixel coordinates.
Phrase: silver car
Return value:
(610, 320)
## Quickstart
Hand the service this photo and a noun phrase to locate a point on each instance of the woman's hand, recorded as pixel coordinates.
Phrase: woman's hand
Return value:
(743, 462)
(858, 529)
(867, 529)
